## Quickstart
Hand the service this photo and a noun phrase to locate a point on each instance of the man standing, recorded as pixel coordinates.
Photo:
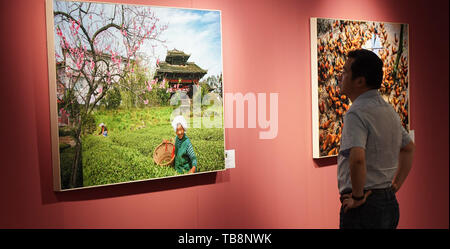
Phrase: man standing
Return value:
(376, 152)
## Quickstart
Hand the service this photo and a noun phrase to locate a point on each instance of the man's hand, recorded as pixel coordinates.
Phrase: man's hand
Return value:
(394, 188)
(349, 202)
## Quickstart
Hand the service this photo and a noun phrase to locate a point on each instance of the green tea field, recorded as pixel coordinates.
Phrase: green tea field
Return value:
(126, 154)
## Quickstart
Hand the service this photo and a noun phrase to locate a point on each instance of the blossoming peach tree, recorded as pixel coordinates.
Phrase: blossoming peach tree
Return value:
(96, 48)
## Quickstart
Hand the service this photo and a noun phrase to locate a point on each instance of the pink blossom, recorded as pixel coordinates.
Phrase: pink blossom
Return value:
(58, 32)
(100, 90)
(74, 28)
(146, 102)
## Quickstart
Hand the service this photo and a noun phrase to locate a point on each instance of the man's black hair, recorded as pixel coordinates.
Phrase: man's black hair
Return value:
(368, 65)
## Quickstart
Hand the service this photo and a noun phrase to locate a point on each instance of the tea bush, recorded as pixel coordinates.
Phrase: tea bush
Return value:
(126, 154)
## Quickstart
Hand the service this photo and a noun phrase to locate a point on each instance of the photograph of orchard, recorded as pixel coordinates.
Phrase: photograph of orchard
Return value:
(335, 38)
(123, 72)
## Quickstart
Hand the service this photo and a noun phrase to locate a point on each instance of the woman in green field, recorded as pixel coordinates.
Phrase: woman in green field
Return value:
(104, 130)
(185, 159)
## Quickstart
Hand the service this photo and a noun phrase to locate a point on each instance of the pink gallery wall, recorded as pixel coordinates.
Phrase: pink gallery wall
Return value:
(276, 183)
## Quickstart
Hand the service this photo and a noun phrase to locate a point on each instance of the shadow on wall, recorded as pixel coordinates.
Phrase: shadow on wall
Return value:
(324, 162)
(133, 188)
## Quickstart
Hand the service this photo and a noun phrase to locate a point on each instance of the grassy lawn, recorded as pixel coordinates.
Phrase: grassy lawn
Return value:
(127, 153)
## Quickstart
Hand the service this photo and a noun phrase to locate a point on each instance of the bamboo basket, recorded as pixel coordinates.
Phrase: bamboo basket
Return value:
(162, 155)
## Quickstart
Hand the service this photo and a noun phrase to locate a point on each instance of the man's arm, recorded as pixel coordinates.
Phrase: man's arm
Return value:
(355, 140)
(404, 165)
(357, 161)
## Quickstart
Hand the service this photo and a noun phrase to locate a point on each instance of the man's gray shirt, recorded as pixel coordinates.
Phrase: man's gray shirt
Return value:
(372, 124)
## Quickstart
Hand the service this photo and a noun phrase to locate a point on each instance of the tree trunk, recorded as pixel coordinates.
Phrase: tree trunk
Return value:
(73, 179)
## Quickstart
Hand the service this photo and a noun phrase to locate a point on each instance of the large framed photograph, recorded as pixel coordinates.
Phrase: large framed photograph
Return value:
(331, 40)
(135, 92)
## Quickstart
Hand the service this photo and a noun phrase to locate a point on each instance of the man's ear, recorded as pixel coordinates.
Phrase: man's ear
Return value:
(361, 81)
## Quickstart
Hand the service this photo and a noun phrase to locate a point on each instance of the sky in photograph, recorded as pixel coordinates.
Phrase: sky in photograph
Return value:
(196, 32)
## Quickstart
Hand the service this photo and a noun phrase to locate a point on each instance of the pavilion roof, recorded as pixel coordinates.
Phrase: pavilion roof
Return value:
(175, 53)
(189, 67)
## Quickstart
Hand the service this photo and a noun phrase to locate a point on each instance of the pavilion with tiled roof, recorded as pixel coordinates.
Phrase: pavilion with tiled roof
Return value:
(180, 74)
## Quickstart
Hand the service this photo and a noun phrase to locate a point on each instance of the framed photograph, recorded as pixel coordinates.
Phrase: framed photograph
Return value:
(331, 40)
(135, 92)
